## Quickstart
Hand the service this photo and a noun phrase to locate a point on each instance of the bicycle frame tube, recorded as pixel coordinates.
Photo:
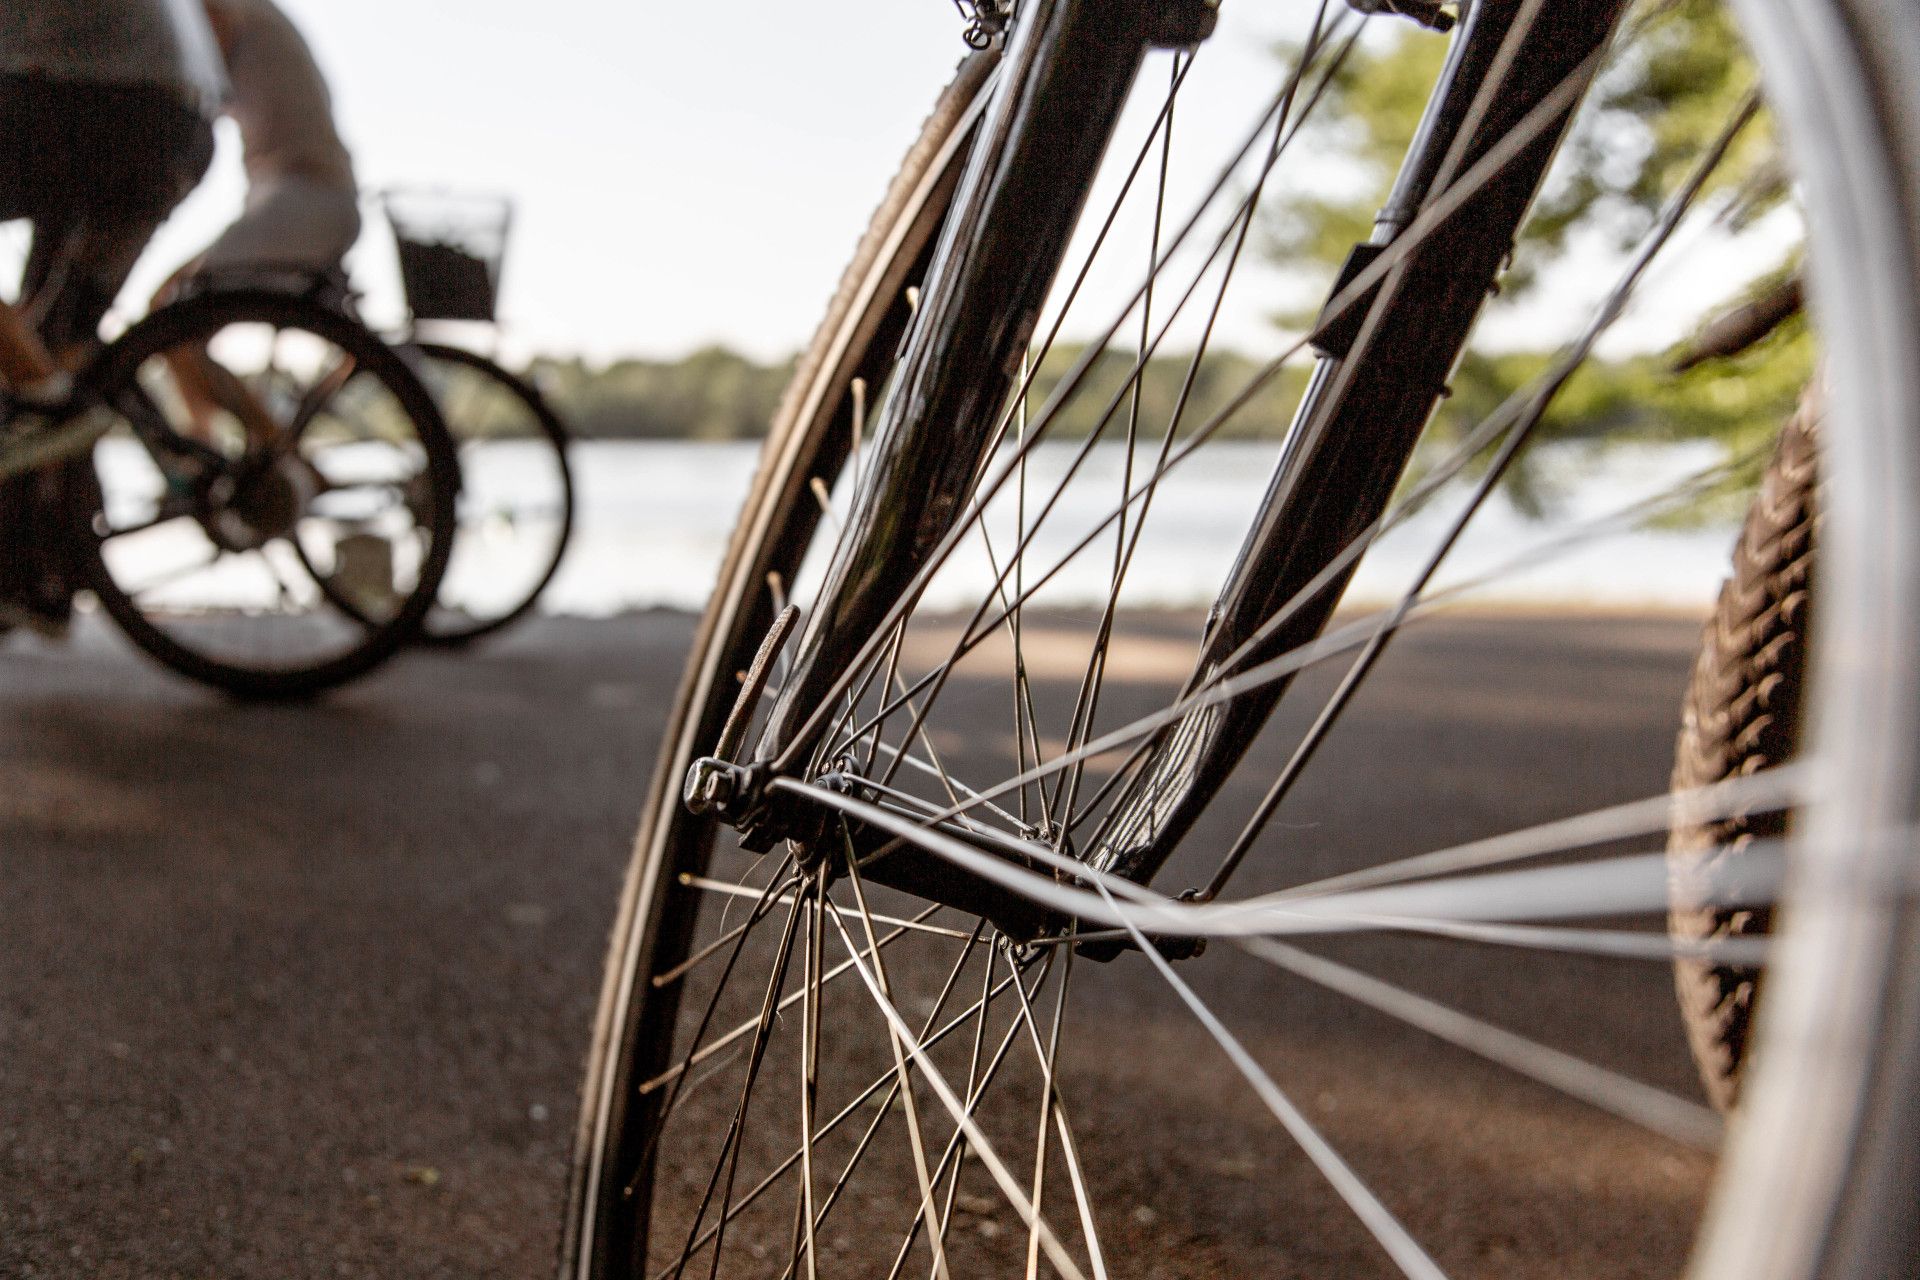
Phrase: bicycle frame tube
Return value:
(1365, 410)
(1063, 80)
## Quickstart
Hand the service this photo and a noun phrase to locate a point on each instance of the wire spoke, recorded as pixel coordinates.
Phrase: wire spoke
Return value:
(810, 1071)
(976, 1086)
(953, 1157)
(677, 1074)
(1053, 1108)
(728, 1161)
(1642, 1104)
(989, 1157)
(1616, 944)
(744, 891)
(1075, 377)
(1767, 791)
(697, 1056)
(971, 794)
(886, 1103)
(1537, 404)
(1017, 462)
(1614, 886)
(880, 1082)
(1399, 1244)
(1090, 685)
(1437, 211)
(899, 1055)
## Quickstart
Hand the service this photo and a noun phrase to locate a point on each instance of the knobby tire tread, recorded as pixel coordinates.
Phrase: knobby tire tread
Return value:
(1741, 715)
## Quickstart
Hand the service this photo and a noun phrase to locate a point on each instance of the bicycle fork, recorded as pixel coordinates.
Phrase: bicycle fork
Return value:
(1394, 328)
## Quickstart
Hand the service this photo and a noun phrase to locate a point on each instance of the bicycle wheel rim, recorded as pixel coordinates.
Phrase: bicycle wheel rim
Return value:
(1841, 1203)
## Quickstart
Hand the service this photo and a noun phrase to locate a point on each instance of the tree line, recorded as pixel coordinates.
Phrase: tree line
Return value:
(720, 395)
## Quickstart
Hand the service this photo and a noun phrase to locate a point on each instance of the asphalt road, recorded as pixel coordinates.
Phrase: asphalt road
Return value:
(304, 991)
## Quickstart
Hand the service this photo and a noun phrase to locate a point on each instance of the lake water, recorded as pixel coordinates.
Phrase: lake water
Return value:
(654, 518)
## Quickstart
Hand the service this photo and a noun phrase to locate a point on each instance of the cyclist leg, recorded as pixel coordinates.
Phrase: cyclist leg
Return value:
(96, 168)
(292, 223)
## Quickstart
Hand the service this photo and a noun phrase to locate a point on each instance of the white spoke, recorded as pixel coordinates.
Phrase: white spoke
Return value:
(1642, 1104)
(1611, 886)
(1400, 1245)
(1617, 944)
(899, 1061)
(1773, 789)
(746, 891)
(977, 1140)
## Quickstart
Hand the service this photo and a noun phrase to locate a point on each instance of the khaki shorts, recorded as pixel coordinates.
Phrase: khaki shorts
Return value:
(292, 222)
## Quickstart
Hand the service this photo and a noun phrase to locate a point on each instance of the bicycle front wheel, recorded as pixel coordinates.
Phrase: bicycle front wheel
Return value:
(811, 437)
(860, 1032)
(275, 511)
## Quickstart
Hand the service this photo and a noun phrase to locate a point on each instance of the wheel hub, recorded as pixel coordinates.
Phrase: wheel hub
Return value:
(248, 511)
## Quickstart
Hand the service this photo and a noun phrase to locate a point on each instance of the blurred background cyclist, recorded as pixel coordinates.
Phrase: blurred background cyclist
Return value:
(302, 209)
(106, 113)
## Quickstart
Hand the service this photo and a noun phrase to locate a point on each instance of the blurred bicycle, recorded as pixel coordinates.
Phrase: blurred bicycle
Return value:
(517, 494)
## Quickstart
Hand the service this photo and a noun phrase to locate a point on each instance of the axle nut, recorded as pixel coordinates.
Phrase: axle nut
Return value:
(709, 786)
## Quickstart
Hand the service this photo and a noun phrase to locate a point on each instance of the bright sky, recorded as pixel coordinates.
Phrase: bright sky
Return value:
(693, 173)
(684, 173)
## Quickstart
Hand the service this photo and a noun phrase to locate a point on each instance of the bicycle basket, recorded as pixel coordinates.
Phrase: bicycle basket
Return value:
(451, 247)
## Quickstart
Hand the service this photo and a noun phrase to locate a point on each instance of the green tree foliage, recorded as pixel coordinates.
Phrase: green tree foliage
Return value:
(1680, 75)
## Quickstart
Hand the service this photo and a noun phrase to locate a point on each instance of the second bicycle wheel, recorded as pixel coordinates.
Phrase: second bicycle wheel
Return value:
(839, 1038)
(516, 493)
(274, 460)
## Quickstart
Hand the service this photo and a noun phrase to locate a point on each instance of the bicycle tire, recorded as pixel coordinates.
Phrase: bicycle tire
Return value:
(193, 321)
(1742, 714)
(1842, 72)
(809, 435)
(442, 627)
